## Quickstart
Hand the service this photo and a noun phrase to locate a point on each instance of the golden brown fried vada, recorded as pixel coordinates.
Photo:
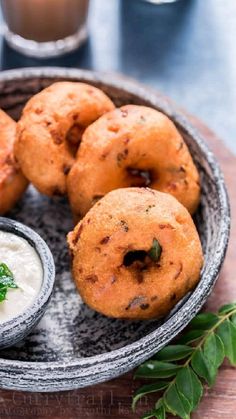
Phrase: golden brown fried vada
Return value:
(132, 146)
(50, 129)
(12, 181)
(135, 254)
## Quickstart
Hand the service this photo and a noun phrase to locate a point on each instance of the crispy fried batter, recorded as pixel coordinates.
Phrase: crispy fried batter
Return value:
(132, 146)
(50, 129)
(12, 181)
(114, 270)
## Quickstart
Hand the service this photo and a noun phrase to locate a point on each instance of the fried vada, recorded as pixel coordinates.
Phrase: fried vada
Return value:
(135, 254)
(132, 146)
(50, 129)
(12, 181)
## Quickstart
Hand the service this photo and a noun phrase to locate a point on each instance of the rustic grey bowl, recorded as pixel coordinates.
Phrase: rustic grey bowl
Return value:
(73, 346)
(16, 329)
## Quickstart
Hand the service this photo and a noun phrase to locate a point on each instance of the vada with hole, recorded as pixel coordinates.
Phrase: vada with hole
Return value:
(132, 146)
(50, 129)
(12, 181)
(135, 254)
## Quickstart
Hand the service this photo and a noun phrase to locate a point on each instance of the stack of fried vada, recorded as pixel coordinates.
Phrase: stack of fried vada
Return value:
(129, 173)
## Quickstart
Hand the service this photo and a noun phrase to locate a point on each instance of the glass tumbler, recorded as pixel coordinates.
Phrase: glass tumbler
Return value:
(161, 1)
(45, 28)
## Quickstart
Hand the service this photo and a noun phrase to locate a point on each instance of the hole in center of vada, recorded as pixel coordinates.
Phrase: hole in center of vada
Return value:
(142, 259)
(140, 178)
(73, 137)
(136, 257)
(137, 261)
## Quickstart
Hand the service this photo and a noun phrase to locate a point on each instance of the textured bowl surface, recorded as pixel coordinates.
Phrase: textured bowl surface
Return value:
(19, 327)
(73, 346)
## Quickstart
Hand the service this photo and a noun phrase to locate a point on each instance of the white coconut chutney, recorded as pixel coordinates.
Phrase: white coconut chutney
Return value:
(25, 264)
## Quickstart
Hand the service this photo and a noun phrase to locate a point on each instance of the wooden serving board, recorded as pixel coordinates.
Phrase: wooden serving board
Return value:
(113, 399)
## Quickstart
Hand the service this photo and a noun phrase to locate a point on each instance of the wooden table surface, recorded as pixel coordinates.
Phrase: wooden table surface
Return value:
(113, 399)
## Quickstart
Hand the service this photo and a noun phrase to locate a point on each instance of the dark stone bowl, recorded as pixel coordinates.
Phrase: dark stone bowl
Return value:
(16, 329)
(73, 346)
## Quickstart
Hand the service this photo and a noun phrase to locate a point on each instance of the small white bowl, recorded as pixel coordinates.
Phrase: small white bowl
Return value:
(17, 328)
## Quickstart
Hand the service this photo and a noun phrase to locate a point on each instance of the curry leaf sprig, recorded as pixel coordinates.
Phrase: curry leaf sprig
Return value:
(6, 281)
(179, 371)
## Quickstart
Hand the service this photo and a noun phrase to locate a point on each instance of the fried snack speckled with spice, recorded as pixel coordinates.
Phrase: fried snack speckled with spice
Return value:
(132, 146)
(50, 129)
(135, 254)
(12, 181)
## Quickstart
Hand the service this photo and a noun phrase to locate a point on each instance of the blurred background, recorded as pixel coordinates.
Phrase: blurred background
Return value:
(184, 49)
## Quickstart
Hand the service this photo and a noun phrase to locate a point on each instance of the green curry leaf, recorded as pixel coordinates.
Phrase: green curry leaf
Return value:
(6, 281)
(155, 252)
(194, 358)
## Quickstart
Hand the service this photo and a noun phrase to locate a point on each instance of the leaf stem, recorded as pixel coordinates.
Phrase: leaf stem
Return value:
(212, 329)
(201, 342)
